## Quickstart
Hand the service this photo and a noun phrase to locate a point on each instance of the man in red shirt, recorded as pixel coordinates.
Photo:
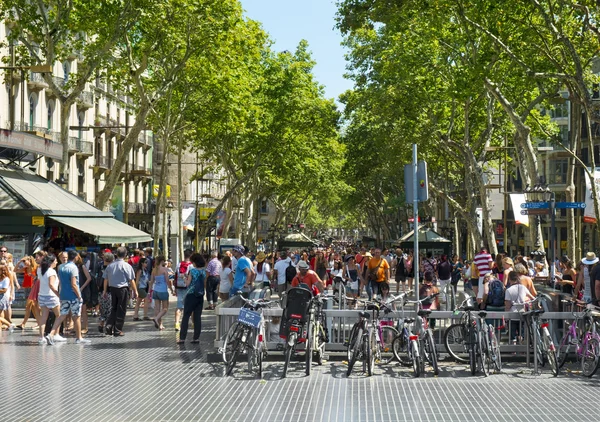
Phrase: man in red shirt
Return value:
(308, 277)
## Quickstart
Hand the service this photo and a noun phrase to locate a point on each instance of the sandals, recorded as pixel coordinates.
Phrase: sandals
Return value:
(156, 324)
(20, 327)
(181, 341)
(136, 319)
(146, 318)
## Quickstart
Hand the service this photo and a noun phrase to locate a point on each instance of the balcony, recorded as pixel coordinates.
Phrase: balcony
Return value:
(102, 162)
(85, 99)
(100, 85)
(60, 82)
(113, 129)
(36, 81)
(140, 171)
(81, 147)
(36, 130)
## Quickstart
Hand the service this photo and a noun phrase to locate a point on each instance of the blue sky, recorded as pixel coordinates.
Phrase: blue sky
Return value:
(289, 21)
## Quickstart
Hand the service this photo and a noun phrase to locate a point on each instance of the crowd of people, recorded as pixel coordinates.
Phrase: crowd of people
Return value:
(62, 288)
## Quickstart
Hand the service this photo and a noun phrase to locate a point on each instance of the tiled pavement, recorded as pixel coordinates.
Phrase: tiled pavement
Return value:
(144, 376)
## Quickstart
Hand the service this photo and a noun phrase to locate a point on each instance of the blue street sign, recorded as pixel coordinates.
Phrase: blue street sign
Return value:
(580, 205)
(536, 205)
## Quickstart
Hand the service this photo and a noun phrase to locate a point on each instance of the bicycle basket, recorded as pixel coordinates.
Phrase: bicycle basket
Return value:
(249, 317)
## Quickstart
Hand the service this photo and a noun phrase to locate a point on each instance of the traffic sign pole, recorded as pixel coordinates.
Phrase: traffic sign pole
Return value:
(415, 181)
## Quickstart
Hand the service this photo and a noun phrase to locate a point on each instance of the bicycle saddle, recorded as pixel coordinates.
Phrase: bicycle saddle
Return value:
(409, 320)
(469, 308)
(424, 312)
(364, 314)
(482, 314)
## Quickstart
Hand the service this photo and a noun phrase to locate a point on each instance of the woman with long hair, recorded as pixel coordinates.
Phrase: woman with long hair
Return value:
(142, 279)
(160, 284)
(194, 298)
(5, 288)
(569, 275)
(48, 294)
(28, 267)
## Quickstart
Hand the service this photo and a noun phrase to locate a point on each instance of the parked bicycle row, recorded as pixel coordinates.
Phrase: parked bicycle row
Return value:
(383, 335)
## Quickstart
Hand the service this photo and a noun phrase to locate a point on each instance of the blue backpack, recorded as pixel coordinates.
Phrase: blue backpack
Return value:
(495, 293)
(197, 283)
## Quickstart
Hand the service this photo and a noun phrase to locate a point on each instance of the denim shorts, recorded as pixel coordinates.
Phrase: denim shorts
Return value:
(180, 297)
(160, 295)
(73, 306)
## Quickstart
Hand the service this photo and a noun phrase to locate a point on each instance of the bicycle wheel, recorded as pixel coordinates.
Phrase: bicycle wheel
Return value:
(400, 347)
(495, 350)
(370, 351)
(431, 352)
(352, 340)
(354, 350)
(472, 351)
(550, 353)
(289, 347)
(455, 344)
(320, 344)
(482, 355)
(388, 335)
(564, 347)
(250, 343)
(416, 358)
(590, 359)
(232, 346)
(309, 347)
(259, 359)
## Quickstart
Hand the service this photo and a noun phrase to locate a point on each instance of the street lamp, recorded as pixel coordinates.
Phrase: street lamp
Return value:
(542, 193)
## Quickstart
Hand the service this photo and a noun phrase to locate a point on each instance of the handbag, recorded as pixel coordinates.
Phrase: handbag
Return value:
(373, 272)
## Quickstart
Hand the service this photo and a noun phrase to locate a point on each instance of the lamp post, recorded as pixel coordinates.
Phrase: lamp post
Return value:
(542, 193)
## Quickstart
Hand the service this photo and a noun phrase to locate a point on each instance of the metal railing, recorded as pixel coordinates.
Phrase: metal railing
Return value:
(102, 161)
(86, 98)
(37, 79)
(340, 322)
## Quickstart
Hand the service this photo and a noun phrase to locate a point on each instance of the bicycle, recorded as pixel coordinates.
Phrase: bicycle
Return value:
(539, 335)
(421, 346)
(587, 345)
(317, 335)
(247, 334)
(462, 337)
(295, 318)
(360, 342)
(489, 348)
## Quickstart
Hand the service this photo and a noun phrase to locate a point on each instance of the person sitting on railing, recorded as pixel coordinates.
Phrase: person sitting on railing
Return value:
(516, 294)
(428, 289)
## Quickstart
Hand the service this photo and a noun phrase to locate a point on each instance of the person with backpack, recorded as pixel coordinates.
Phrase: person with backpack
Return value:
(285, 271)
(181, 285)
(195, 282)
(493, 294)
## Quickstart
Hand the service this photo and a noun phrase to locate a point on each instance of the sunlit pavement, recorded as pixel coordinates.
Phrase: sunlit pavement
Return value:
(145, 376)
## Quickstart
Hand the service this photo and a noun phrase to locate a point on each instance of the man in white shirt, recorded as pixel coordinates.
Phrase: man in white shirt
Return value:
(280, 268)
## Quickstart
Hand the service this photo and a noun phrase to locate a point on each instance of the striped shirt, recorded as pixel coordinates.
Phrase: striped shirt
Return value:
(482, 260)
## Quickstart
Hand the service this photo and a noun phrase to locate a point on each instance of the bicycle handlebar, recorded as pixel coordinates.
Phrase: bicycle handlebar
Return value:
(257, 302)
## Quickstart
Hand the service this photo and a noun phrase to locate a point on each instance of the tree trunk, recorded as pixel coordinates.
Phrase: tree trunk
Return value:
(572, 234)
(180, 189)
(161, 197)
(593, 169)
(65, 114)
(113, 177)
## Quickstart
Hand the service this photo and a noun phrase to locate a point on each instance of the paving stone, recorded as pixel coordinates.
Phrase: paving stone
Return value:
(145, 376)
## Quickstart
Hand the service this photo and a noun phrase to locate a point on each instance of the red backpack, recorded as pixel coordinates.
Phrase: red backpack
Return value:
(182, 269)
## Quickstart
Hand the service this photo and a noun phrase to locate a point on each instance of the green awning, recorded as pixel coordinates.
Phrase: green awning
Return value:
(106, 229)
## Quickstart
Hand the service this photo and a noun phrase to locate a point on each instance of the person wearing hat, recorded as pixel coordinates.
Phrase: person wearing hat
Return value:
(308, 277)
(262, 269)
(587, 285)
(507, 266)
(244, 272)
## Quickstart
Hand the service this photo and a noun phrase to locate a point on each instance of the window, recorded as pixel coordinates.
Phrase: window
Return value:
(50, 115)
(81, 121)
(558, 171)
(560, 110)
(32, 105)
(564, 134)
(66, 71)
(264, 206)
(264, 225)
(80, 177)
(49, 167)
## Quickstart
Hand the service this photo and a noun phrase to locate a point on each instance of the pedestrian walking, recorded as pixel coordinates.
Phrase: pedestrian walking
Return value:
(160, 284)
(118, 276)
(70, 300)
(213, 271)
(194, 298)
(48, 294)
